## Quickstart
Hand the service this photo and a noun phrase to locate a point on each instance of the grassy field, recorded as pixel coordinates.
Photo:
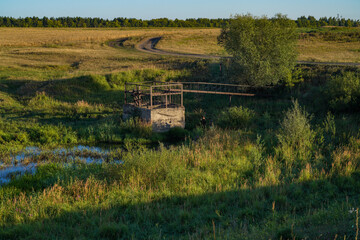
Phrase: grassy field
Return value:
(280, 167)
(41, 54)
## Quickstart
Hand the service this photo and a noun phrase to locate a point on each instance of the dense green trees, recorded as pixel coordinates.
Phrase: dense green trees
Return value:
(116, 22)
(303, 21)
(310, 21)
(262, 49)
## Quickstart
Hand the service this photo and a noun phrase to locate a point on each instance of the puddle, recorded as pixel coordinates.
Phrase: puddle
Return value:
(10, 172)
(21, 163)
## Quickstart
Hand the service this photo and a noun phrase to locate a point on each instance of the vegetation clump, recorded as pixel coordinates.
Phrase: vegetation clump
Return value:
(295, 136)
(343, 91)
(262, 50)
(236, 117)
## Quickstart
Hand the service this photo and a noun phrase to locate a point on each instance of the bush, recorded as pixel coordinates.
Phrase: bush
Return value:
(262, 49)
(343, 91)
(236, 117)
(295, 135)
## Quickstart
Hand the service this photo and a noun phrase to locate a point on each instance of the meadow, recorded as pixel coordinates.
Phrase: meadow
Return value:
(279, 167)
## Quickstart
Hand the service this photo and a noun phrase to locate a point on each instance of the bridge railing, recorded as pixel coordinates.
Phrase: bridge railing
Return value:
(155, 94)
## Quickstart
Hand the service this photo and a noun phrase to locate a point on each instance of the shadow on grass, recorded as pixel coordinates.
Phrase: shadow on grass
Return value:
(312, 210)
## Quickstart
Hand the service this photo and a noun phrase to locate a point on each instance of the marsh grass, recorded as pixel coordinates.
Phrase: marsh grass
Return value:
(185, 190)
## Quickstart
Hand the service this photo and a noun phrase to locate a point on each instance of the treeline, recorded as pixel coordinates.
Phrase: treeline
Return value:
(311, 21)
(116, 22)
(79, 22)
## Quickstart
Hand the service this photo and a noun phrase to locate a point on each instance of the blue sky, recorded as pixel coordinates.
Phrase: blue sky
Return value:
(148, 9)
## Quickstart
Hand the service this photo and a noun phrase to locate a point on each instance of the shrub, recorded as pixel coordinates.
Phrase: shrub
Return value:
(236, 117)
(343, 91)
(295, 135)
(262, 49)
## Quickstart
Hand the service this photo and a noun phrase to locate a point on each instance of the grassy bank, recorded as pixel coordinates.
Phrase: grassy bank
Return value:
(282, 165)
(265, 168)
(226, 185)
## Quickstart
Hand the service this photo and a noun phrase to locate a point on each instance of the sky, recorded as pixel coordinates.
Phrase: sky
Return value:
(181, 9)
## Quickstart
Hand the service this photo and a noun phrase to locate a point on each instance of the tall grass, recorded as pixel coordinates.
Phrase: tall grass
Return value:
(178, 193)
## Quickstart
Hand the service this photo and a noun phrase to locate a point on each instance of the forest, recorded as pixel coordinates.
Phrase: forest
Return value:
(79, 22)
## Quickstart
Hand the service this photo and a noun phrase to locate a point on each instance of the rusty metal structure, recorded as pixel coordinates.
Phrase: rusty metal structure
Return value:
(154, 94)
(162, 103)
(171, 94)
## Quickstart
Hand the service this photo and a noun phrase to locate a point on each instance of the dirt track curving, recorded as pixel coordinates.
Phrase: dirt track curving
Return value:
(149, 46)
(118, 42)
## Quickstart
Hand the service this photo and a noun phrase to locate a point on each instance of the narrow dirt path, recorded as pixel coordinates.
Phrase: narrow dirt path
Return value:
(118, 42)
(149, 46)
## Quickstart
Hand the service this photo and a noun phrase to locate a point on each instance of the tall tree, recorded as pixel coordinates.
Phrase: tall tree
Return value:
(263, 50)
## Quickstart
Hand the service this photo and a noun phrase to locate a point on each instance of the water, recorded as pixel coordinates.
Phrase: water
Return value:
(19, 166)
(9, 172)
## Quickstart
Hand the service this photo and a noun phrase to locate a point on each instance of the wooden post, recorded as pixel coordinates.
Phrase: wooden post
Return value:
(170, 96)
(166, 102)
(230, 101)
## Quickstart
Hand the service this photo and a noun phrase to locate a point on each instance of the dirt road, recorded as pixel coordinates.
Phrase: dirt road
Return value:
(149, 45)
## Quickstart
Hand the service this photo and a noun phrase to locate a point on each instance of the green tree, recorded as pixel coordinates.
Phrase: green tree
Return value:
(263, 50)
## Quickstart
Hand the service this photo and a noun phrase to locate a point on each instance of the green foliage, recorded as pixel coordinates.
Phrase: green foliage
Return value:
(176, 134)
(295, 78)
(280, 180)
(236, 117)
(115, 130)
(80, 22)
(117, 80)
(263, 50)
(295, 135)
(7, 103)
(95, 82)
(184, 191)
(31, 133)
(343, 91)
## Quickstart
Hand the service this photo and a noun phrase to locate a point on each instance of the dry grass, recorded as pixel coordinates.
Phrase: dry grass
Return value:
(324, 51)
(43, 53)
(202, 41)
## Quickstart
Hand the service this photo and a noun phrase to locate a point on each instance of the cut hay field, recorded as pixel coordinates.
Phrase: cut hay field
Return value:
(41, 54)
